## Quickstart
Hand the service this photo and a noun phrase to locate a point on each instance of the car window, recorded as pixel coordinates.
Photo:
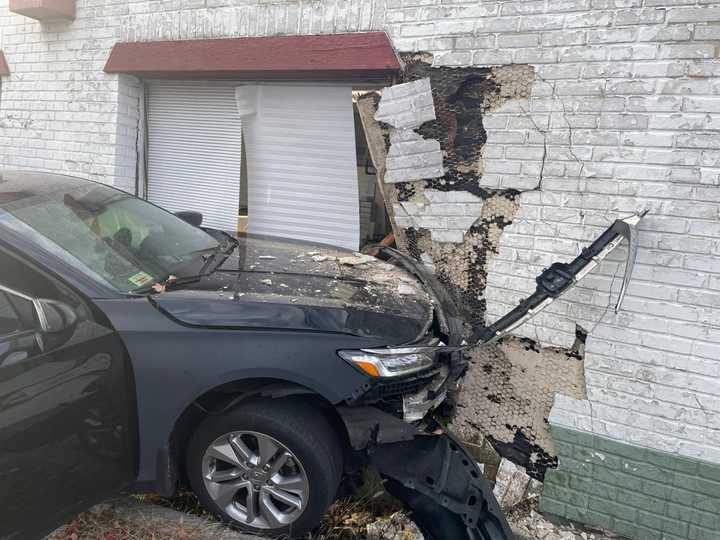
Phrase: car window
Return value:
(25, 279)
(110, 235)
(9, 320)
(16, 314)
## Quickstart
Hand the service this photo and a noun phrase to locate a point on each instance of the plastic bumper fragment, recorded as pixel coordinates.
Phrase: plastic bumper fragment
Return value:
(441, 484)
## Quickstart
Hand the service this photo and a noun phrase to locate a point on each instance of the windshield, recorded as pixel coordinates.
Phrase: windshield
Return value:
(129, 243)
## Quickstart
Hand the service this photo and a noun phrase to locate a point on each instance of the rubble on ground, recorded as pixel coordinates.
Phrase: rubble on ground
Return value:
(397, 526)
(529, 524)
(513, 485)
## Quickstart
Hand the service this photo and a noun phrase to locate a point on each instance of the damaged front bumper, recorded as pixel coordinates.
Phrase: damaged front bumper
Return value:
(431, 473)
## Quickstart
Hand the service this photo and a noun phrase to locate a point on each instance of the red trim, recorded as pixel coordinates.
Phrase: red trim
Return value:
(329, 57)
(4, 69)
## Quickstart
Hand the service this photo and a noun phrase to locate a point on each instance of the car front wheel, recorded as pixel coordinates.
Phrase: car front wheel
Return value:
(270, 467)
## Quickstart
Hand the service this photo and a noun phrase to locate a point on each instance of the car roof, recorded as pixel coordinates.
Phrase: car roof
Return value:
(18, 185)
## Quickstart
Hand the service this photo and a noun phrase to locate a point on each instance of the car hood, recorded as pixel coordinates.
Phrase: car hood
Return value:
(279, 284)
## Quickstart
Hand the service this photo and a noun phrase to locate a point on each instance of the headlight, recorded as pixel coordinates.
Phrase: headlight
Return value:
(389, 362)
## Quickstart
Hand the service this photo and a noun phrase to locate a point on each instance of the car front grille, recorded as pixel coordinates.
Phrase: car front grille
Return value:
(391, 389)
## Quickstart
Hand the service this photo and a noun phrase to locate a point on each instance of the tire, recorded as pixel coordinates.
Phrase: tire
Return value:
(217, 463)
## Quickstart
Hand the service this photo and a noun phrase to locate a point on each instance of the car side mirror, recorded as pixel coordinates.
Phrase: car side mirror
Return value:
(54, 316)
(190, 216)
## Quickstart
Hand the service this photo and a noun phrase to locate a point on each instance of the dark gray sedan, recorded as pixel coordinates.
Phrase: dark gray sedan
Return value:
(141, 352)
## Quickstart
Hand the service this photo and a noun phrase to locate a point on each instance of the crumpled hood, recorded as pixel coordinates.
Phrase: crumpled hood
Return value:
(271, 283)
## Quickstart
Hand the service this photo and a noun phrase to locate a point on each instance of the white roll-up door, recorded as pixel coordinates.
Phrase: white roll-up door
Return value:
(194, 148)
(301, 162)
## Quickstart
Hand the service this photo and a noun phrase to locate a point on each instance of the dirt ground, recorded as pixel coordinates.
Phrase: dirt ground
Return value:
(130, 519)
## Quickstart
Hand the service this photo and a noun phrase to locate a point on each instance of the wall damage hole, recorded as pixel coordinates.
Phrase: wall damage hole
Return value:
(526, 453)
(510, 387)
(462, 252)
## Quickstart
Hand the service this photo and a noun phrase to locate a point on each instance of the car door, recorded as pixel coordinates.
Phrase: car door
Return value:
(67, 403)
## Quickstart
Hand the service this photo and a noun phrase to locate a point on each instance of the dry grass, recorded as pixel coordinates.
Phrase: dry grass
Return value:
(347, 519)
(105, 524)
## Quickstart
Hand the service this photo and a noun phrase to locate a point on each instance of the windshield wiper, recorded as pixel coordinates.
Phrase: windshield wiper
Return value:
(232, 244)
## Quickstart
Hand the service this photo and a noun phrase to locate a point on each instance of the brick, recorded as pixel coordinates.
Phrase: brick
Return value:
(658, 69)
(518, 40)
(617, 35)
(693, 14)
(701, 104)
(448, 236)
(640, 16)
(601, 70)
(675, 32)
(541, 22)
(699, 140)
(559, 71)
(703, 68)
(671, 526)
(535, 56)
(650, 139)
(687, 51)
(708, 31)
(684, 87)
(564, 38)
(631, 87)
(470, 42)
(550, 506)
(610, 508)
(588, 20)
(406, 105)
(633, 52)
(497, 24)
(654, 104)
(700, 533)
(623, 121)
(678, 122)
(579, 88)
(644, 502)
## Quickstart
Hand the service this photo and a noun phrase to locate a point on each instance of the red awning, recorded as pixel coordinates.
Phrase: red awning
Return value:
(4, 69)
(361, 56)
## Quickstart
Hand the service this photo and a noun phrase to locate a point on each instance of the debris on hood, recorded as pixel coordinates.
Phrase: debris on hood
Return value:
(404, 288)
(266, 281)
(159, 288)
(319, 258)
(513, 485)
(267, 257)
(397, 526)
(356, 259)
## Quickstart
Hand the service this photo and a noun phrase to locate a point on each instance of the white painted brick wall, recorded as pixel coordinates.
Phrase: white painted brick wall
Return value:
(626, 98)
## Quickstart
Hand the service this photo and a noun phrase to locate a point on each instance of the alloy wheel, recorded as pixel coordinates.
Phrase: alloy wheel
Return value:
(255, 479)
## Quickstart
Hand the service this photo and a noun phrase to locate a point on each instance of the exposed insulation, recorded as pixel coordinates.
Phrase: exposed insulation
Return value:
(508, 394)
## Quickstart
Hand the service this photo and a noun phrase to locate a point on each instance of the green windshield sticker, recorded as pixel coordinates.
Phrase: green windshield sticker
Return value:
(140, 279)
